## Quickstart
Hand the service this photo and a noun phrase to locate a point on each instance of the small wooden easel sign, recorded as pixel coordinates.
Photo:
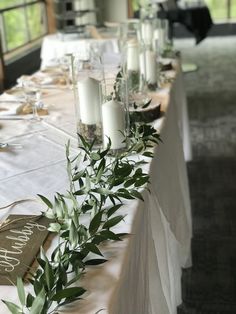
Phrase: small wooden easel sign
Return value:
(20, 240)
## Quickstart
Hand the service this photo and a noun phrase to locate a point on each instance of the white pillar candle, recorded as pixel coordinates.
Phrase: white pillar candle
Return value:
(91, 5)
(147, 32)
(148, 66)
(132, 56)
(142, 64)
(162, 38)
(88, 90)
(84, 4)
(113, 121)
(151, 67)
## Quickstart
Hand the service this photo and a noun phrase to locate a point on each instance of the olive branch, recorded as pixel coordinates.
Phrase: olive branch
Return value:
(99, 185)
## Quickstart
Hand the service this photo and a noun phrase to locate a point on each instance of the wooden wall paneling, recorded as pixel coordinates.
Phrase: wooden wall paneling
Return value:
(50, 16)
(130, 9)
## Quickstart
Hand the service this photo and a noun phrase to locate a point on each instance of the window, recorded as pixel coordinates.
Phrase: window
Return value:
(222, 10)
(21, 22)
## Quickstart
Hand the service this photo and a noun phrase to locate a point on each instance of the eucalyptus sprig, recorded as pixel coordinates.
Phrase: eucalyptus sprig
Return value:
(98, 187)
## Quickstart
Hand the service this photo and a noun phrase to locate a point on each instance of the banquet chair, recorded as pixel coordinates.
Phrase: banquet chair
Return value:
(195, 17)
(169, 11)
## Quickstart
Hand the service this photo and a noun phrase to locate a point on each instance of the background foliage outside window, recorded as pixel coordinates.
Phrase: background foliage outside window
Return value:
(22, 25)
(221, 10)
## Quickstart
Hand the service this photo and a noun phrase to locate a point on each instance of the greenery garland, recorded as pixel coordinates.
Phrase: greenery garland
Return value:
(97, 189)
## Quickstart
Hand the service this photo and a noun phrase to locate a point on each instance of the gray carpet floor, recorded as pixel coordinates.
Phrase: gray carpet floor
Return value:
(209, 286)
(211, 92)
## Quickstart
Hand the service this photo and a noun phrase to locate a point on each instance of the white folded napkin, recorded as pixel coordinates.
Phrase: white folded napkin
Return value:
(10, 104)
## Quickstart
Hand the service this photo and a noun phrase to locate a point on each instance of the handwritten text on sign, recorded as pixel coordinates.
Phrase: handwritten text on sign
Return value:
(19, 245)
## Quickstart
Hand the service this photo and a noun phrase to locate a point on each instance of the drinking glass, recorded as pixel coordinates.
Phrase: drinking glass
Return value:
(32, 94)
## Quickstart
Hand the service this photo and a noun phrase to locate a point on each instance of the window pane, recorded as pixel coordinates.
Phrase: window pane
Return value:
(9, 3)
(233, 9)
(218, 9)
(36, 20)
(15, 28)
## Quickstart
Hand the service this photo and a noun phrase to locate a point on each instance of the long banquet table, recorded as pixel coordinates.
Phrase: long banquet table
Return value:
(143, 274)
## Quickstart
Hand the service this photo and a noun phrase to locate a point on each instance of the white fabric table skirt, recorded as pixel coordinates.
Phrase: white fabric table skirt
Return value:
(143, 273)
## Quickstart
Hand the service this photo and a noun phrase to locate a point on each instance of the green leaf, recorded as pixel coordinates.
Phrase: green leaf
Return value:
(37, 286)
(129, 182)
(73, 235)
(118, 181)
(62, 275)
(109, 235)
(112, 222)
(54, 227)
(95, 223)
(95, 156)
(84, 143)
(124, 170)
(102, 191)
(104, 153)
(29, 300)
(147, 104)
(49, 275)
(13, 308)
(50, 214)
(78, 175)
(142, 181)
(102, 165)
(20, 290)
(137, 194)
(113, 209)
(98, 239)
(41, 262)
(73, 280)
(80, 192)
(68, 293)
(148, 154)
(93, 248)
(95, 261)
(88, 182)
(125, 194)
(38, 303)
(45, 200)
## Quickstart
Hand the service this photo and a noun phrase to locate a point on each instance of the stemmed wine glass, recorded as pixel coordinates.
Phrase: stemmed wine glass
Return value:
(32, 97)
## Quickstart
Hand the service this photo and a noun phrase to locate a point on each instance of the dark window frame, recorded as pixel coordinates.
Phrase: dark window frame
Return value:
(29, 40)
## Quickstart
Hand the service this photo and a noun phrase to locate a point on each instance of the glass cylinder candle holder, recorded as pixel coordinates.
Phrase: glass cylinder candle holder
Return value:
(115, 115)
(149, 66)
(127, 31)
(163, 35)
(132, 66)
(137, 89)
(148, 17)
(86, 76)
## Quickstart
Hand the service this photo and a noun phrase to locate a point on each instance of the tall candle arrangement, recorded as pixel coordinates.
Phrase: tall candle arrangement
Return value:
(115, 116)
(87, 73)
(148, 54)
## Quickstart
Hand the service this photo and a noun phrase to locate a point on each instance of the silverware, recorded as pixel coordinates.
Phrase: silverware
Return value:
(13, 145)
(13, 118)
(12, 101)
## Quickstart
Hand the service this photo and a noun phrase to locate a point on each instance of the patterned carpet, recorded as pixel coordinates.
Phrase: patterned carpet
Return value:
(209, 286)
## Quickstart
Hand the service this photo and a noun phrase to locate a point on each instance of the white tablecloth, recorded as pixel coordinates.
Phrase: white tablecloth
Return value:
(143, 273)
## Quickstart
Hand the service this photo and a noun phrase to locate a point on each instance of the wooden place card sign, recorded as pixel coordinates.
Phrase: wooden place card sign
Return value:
(20, 240)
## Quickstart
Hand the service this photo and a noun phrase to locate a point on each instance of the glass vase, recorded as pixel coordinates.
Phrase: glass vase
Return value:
(87, 72)
(115, 114)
